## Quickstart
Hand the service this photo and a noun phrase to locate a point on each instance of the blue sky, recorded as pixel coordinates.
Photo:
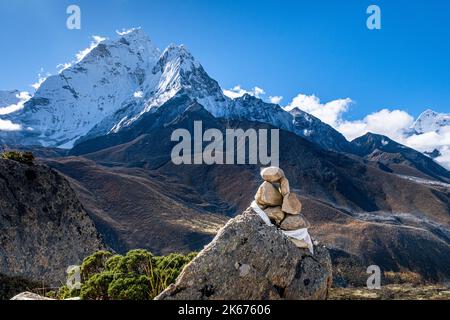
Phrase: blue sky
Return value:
(285, 47)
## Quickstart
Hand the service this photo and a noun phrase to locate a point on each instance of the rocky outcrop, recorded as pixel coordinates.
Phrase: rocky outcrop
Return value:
(43, 227)
(29, 296)
(33, 296)
(250, 260)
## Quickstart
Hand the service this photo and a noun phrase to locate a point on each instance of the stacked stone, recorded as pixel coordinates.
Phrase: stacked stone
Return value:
(281, 205)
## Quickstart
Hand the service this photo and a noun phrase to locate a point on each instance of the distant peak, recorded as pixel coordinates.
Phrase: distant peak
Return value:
(294, 111)
(175, 51)
(431, 120)
(180, 55)
(428, 112)
(370, 136)
(377, 135)
(134, 35)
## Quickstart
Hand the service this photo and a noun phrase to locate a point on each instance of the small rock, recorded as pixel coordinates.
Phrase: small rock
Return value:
(291, 204)
(244, 270)
(299, 243)
(294, 222)
(275, 213)
(268, 195)
(272, 174)
(284, 187)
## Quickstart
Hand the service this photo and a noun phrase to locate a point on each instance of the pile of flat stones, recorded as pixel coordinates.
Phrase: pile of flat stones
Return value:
(281, 205)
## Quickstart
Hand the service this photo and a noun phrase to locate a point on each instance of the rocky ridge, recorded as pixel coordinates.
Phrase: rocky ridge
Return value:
(43, 227)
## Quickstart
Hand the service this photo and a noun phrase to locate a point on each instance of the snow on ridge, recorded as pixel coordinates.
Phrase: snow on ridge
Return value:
(73, 101)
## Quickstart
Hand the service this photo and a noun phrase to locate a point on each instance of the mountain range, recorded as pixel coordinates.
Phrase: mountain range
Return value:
(105, 123)
(119, 81)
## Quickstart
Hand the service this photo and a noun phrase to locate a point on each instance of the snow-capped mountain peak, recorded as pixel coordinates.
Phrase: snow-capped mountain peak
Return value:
(116, 82)
(68, 105)
(430, 121)
(179, 57)
(175, 72)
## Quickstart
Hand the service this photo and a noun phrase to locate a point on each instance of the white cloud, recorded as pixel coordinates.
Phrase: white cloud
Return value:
(257, 92)
(393, 124)
(275, 99)
(95, 41)
(330, 112)
(7, 125)
(444, 159)
(238, 91)
(430, 141)
(22, 98)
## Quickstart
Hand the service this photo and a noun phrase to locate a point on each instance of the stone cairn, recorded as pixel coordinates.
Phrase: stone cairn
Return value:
(281, 205)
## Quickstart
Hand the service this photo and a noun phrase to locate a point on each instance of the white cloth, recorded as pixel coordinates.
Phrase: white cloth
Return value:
(300, 234)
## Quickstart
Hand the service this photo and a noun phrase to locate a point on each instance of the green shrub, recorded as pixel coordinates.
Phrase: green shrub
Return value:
(96, 288)
(138, 275)
(22, 157)
(63, 293)
(135, 262)
(94, 264)
(130, 288)
(112, 262)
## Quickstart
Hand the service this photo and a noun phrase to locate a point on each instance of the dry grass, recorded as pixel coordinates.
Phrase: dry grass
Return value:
(393, 292)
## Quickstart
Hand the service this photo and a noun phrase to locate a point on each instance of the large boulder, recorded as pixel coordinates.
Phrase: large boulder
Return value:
(268, 195)
(250, 260)
(272, 174)
(29, 296)
(291, 204)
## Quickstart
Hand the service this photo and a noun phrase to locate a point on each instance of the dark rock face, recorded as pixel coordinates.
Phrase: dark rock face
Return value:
(43, 227)
(249, 260)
